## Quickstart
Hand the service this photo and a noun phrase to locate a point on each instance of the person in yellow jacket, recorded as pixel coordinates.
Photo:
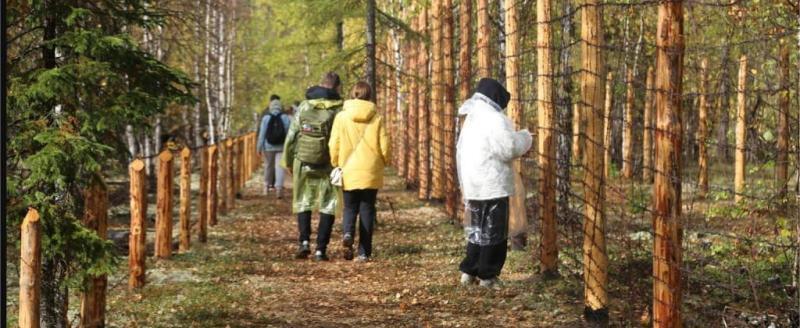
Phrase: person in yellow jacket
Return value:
(360, 147)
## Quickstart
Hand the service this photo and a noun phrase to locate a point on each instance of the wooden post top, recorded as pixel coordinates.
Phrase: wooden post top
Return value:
(165, 155)
(31, 217)
(137, 165)
(185, 152)
(212, 149)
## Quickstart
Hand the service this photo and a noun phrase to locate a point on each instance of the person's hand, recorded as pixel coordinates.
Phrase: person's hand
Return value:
(289, 171)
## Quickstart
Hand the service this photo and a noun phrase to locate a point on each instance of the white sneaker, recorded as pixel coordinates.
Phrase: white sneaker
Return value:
(490, 283)
(362, 258)
(467, 279)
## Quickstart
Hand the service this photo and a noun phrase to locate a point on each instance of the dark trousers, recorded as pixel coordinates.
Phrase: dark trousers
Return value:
(360, 203)
(325, 229)
(486, 262)
(487, 244)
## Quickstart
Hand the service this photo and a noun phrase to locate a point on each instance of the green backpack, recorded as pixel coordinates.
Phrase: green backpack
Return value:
(316, 120)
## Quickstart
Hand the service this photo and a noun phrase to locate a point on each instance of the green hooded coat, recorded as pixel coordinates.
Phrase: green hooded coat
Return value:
(312, 188)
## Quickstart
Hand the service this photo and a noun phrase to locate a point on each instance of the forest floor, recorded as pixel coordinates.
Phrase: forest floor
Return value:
(246, 276)
(736, 267)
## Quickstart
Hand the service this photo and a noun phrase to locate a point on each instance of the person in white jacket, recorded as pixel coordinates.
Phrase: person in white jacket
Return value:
(486, 148)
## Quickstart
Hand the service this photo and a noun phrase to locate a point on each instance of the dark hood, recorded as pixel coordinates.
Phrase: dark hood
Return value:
(318, 92)
(494, 91)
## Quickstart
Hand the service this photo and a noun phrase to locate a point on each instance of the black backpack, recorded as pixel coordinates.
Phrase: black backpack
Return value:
(276, 132)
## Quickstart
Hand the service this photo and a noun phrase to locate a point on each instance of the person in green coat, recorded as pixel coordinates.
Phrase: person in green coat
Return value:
(307, 159)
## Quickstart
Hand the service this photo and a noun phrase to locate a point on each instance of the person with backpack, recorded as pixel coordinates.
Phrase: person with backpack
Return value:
(271, 135)
(307, 158)
(486, 147)
(360, 148)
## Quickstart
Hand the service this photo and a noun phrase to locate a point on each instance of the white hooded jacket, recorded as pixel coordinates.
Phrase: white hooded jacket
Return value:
(486, 147)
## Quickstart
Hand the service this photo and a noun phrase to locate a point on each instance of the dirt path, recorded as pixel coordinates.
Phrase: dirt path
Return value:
(246, 276)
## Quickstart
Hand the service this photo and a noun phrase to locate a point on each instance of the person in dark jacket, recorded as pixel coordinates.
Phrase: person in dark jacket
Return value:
(273, 173)
(306, 157)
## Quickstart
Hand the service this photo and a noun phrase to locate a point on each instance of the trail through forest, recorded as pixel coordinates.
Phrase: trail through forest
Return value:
(246, 276)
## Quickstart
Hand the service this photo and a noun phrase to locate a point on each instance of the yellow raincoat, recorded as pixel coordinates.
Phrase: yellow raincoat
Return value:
(359, 145)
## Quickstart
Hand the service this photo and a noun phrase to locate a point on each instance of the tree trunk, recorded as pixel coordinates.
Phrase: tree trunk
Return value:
(595, 259)
(371, 47)
(30, 270)
(702, 130)
(547, 153)
(451, 182)
(607, 137)
(627, 129)
(212, 139)
(437, 126)
(741, 133)
(130, 139)
(782, 162)
(412, 177)
(563, 153)
(667, 188)
(647, 139)
(137, 250)
(723, 151)
(93, 299)
(465, 49)
(423, 162)
(577, 133)
(484, 40)
(517, 223)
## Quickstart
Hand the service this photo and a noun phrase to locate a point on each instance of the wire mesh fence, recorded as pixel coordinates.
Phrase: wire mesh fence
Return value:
(737, 191)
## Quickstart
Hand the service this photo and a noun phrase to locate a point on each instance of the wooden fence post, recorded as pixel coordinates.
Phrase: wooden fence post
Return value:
(230, 192)
(137, 241)
(212, 185)
(667, 253)
(224, 182)
(240, 159)
(202, 221)
(163, 248)
(647, 138)
(93, 299)
(30, 268)
(741, 133)
(186, 199)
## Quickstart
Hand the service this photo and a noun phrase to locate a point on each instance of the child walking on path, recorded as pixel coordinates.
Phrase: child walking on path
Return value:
(486, 148)
(360, 147)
